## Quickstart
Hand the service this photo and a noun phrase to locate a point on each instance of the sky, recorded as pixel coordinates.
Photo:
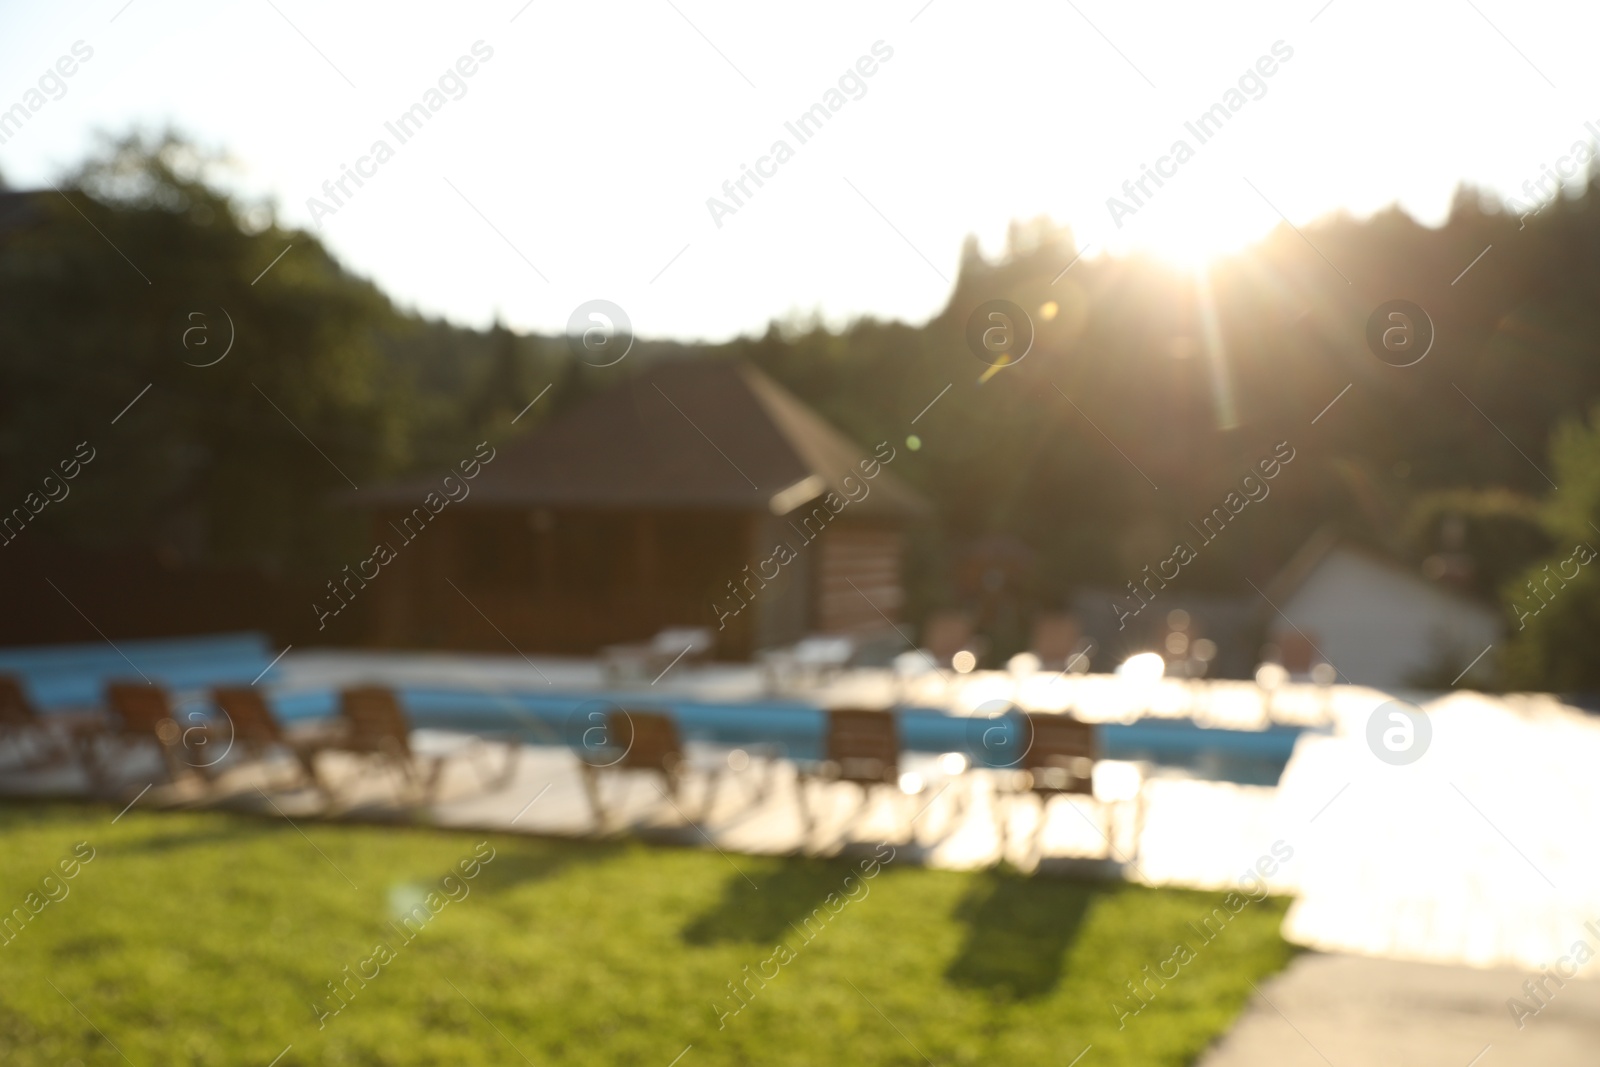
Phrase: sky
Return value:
(579, 158)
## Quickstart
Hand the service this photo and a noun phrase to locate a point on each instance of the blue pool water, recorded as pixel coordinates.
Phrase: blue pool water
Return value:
(796, 729)
(63, 676)
(68, 676)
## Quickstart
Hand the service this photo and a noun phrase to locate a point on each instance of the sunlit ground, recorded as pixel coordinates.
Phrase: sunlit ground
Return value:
(208, 938)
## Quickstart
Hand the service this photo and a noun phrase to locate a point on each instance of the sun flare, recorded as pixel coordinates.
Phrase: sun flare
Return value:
(1197, 241)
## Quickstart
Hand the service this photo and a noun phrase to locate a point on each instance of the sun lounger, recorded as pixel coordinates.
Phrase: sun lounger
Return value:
(250, 729)
(1058, 758)
(646, 662)
(141, 713)
(1059, 643)
(371, 723)
(948, 634)
(635, 741)
(810, 661)
(41, 740)
(861, 746)
(648, 742)
(948, 645)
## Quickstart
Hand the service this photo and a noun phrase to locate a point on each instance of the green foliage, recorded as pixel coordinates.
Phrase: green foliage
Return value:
(1500, 531)
(100, 290)
(198, 938)
(1146, 396)
(1556, 612)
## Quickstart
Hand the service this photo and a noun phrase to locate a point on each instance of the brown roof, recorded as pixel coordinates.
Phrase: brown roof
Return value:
(697, 433)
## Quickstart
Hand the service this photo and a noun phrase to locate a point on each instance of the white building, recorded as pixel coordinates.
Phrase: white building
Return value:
(1376, 621)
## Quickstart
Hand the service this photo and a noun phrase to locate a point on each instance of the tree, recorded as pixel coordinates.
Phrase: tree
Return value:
(225, 372)
(1555, 603)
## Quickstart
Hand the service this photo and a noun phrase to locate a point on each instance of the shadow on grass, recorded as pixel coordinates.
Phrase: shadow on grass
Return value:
(230, 833)
(520, 861)
(789, 894)
(86, 947)
(517, 860)
(1018, 933)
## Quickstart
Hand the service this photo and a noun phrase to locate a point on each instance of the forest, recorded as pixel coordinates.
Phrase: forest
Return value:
(1147, 394)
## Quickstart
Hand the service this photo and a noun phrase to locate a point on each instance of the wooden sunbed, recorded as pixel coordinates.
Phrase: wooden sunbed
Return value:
(372, 723)
(1059, 753)
(41, 739)
(861, 746)
(251, 728)
(636, 741)
(141, 713)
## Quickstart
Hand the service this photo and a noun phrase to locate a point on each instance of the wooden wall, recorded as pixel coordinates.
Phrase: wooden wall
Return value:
(858, 578)
(560, 581)
(569, 581)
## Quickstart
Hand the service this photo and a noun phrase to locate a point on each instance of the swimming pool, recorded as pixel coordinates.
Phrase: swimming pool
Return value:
(75, 675)
(795, 728)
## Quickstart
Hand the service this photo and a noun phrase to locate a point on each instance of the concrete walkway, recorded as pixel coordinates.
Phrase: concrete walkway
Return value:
(1348, 1011)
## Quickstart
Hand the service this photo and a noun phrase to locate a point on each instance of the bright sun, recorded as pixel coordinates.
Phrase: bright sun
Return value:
(1196, 241)
(1200, 224)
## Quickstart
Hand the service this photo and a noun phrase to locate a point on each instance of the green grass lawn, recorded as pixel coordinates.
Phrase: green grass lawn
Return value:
(207, 938)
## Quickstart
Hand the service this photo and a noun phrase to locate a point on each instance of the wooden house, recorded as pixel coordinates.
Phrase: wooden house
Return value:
(695, 493)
